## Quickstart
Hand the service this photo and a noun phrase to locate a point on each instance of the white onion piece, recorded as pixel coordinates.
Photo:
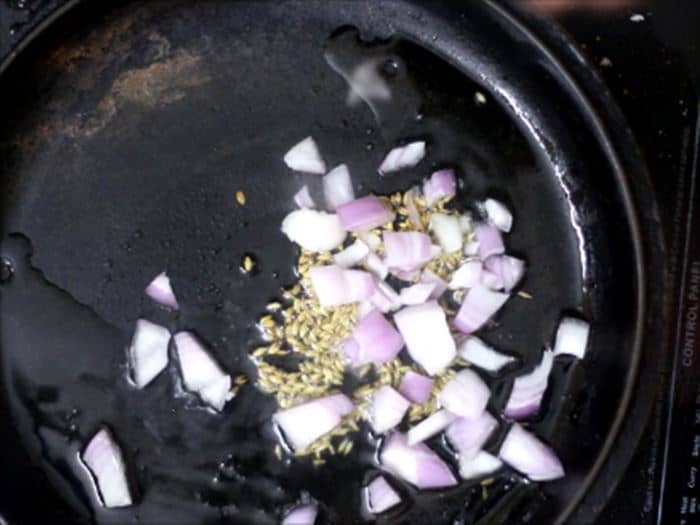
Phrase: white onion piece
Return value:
(372, 240)
(481, 355)
(498, 215)
(334, 285)
(427, 336)
(103, 457)
(386, 409)
(161, 292)
(304, 514)
(364, 308)
(403, 157)
(466, 276)
(374, 264)
(384, 298)
(482, 464)
(305, 423)
(411, 209)
(200, 373)
(528, 389)
(316, 231)
(416, 464)
(430, 426)
(365, 213)
(465, 395)
(572, 337)
(448, 231)
(435, 251)
(406, 251)
(377, 340)
(303, 198)
(527, 454)
(305, 157)
(465, 222)
(148, 352)
(478, 307)
(352, 255)
(490, 280)
(471, 248)
(490, 241)
(428, 276)
(508, 270)
(416, 294)
(441, 184)
(467, 436)
(337, 187)
(416, 387)
(379, 497)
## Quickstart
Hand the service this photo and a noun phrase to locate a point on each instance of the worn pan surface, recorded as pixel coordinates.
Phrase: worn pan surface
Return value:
(126, 132)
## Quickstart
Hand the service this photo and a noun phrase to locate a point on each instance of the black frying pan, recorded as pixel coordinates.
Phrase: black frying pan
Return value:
(127, 131)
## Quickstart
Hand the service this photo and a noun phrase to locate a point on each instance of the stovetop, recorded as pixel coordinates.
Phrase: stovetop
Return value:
(648, 52)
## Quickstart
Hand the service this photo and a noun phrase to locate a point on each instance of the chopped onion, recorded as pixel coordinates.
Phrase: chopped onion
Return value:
(572, 337)
(498, 215)
(482, 464)
(303, 198)
(524, 452)
(467, 436)
(406, 251)
(374, 264)
(416, 294)
(447, 230)
(372, 240)
(471, 248)
(430, 426)
(403, 157)
(416, 464)
(103, 458)
(337, 187)
(431, 277)
(490, 241)
(304, 514)
(377, 340)
(200, 373)
(411, 209)
(490, 280)
(365, 213)
(305, 423)
(528, 389)
(409, 276)
(351, 255)
(334, 285)
(148, 352)
(364, 308)
(161, 292)
(386, 409)
(465, 395)
(385, 298)
(481, 355)
(416, 387)
(465, 222)
(441, 184)
(435, 251)
(379, 497)
(427, 336)
(305, 157)
(316, 231)
(466, 276)
(507, 270)
(478, 307)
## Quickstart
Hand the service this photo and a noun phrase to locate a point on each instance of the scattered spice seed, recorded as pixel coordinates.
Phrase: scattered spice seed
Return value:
(524, 294)
(240, 197)
(248, 263)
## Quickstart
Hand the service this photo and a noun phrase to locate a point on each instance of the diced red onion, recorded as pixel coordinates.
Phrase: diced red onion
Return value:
(416, 294)
(465, 395)
(148, 352)
(478, 307)
(364, 308)
(103, 458)
(482, 464)
(467, 436)
(448, 231)
(334, 285)
(374, 264)
(490, 241)
(527, 454)
(200, 373)
(416, 387)
(508, 270)
(430, 426)
(416, 464)
(441, 184)
(466, 276)
(481, 355)
(528, 389)
(572, 337)
(305, 423)
(350, 350)
(379, 497)
(161, 292)
(427, 336)
(365, 213)
(431, 277)
(304, 514)
(412, 210)
(471, 248)
(303, 198)
(337, 187)
(407, 251)
(352, 255)
(316, 231)
(490, 280)
(386, 409)
(498, 214)
(384, 298)
(377, 339)
(403, 157)
(305, 157)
